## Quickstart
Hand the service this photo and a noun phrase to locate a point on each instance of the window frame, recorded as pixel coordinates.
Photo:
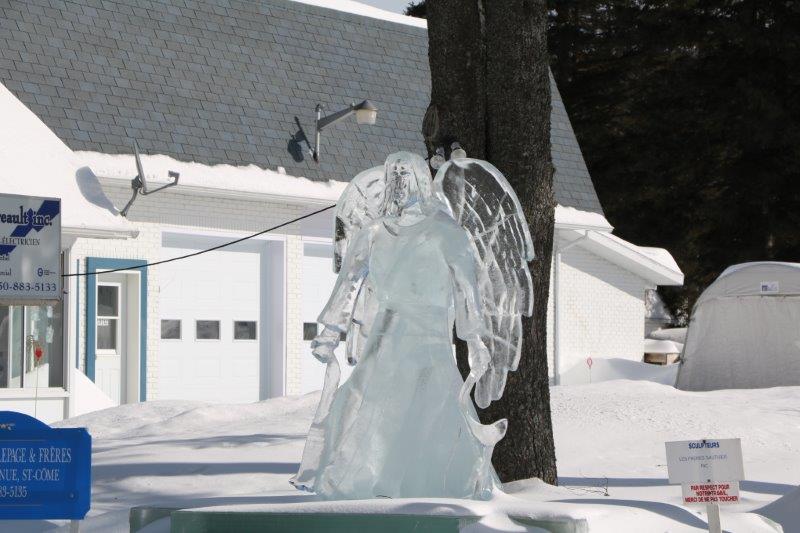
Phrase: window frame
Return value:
(107, 351)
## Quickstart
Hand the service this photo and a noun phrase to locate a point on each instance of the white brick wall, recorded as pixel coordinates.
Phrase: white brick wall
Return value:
(147, 247)
(294, 314)
(603, 304)
(172, 209)
(602, 311)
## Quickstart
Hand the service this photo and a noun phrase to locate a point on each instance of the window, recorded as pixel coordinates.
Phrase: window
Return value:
(244, 330)
(108, 317)
(171, 329)
(207, 330)
(23, 329)
(309, 331)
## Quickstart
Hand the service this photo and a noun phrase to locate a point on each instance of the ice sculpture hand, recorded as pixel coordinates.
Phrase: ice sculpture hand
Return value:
(324, 344)
(479, 356)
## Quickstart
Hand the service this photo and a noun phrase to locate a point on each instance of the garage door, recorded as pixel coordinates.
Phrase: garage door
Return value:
(318, 281)
(210, 325)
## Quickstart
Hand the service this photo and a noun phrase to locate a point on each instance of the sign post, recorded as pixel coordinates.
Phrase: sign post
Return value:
(589, 363)
(30, 250)
(45, 473)
(709, 471)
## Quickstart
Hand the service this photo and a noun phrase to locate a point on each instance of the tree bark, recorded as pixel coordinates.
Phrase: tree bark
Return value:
(490, 91)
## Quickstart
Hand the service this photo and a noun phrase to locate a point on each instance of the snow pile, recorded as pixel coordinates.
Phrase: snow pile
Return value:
(659, 346)
(677, 335)
(610, 437)
(609, 443)
(785, 510)
(612, 368)
(87, 396)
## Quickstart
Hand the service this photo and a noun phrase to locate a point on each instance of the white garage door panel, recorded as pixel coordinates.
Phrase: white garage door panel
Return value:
(318, 282)
(223, 286)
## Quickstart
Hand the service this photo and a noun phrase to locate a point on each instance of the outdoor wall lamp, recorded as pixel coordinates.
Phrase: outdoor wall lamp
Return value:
(365, 112)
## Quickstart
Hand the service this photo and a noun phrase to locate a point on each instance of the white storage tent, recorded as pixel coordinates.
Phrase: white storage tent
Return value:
(745, 330)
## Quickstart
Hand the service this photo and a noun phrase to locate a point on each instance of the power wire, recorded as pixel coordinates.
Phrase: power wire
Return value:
(262, 232)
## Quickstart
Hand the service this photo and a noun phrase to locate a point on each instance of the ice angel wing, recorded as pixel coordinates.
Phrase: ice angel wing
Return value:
(360, 204)
(480, 199)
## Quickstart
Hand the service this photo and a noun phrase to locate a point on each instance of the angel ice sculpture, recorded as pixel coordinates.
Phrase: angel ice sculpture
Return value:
(414, 258)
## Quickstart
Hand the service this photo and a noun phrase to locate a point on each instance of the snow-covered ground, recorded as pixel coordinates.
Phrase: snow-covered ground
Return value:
(609, 442)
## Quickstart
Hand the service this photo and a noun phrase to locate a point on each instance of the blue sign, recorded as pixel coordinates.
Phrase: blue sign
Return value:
(45, 473)
(30, 249)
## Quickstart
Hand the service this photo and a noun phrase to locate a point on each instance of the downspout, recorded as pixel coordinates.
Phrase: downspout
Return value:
(557, 307)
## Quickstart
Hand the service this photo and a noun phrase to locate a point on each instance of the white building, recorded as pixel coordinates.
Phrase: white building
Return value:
(224, 93)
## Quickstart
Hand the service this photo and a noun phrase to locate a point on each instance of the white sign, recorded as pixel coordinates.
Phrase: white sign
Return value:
(770, 287)
(705, 461)
(30, 249)
(710, 493)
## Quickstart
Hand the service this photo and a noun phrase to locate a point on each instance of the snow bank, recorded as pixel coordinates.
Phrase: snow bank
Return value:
(609, 369)
(87, 396)
(785, 511)
(669, 334)
(609, 443)
(661, 346)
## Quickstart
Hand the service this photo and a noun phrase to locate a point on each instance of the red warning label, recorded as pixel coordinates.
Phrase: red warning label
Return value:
(703, 493)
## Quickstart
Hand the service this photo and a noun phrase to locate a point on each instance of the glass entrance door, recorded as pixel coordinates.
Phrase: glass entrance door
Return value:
(23, 329)
(110, 347)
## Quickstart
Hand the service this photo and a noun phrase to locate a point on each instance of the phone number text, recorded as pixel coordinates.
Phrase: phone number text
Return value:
(27, 287)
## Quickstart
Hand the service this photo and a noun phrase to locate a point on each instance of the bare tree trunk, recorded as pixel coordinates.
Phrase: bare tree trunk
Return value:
(491, 92)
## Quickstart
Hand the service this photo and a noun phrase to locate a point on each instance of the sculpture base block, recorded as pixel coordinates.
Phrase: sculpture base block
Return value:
(214, 522)
(221, 519)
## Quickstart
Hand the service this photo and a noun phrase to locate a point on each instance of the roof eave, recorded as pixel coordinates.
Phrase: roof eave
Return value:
(195, 190)
(96, 232)
(630, 257)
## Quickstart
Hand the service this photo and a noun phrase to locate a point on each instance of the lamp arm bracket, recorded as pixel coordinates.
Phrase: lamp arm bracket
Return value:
(335, 117)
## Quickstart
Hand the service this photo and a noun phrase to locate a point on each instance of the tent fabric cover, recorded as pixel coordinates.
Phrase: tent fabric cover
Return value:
(745, 330)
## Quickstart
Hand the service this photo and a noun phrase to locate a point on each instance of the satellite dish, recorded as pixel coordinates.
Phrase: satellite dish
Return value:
(139, 183)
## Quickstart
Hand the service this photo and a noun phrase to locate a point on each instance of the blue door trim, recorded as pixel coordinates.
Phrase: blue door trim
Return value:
(93, 264)
(77, 317)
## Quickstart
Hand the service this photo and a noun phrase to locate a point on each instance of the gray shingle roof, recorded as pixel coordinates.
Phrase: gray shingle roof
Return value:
(233, 81)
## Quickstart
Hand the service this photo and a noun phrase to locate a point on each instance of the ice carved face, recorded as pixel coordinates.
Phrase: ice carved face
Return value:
(402, 190)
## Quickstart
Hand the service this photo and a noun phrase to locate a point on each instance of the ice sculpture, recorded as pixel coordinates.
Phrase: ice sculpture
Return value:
(415, 257)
